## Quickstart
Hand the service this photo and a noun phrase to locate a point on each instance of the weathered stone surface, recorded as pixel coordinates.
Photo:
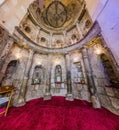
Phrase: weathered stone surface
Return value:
(116, 92)
(79, 91)
(115, 102)
(105, 101)
(85, 87)
(113, 110)
(33, 93)
(95, 101)
(85, 95)
(70, 97)
(79, 87)
(47, 96)
(101, 90)
(109, 91)
(79, 95)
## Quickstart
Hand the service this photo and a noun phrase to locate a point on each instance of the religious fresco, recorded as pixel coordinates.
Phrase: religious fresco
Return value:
(55, 25)
(56, 14)
(45, 17)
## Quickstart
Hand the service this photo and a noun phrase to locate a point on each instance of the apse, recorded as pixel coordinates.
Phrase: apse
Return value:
(60, 48)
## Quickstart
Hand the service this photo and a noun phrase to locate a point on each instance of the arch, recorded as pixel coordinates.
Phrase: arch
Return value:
(10, 71)
(58, 73)
(78, 73)
(38, 74)
(109, 71)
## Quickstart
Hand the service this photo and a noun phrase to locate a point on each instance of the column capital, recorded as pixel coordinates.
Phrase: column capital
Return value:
(31, 51)
(67, 53)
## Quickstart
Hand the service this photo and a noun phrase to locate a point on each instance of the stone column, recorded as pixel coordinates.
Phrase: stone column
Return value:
(69, 95)
(90, 78)
(21, 98)
(4, 56)
(47, 95)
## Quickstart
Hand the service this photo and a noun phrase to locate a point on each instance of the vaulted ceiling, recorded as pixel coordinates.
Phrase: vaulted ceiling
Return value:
(12, 12)
(56, 24)
(58, 14)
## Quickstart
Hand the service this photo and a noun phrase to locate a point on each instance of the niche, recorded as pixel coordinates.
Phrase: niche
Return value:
(88, 23)
(109, 72)
(10, 71)
(38, 75)
(78, 76)
(58, 74)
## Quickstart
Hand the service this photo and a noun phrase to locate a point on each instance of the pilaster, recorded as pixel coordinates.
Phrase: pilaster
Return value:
(21, 98)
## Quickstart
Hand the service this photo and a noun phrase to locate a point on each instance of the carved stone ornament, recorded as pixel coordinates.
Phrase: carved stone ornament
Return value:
(56, 14)
(87, 23)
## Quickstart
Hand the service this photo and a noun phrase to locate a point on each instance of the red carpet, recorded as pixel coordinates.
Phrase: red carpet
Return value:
(58, 114)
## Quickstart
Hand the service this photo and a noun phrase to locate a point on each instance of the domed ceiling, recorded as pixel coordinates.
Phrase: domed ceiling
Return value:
(56, 15)
(56, 23)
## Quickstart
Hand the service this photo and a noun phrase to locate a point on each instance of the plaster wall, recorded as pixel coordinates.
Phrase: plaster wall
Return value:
(106, 12)
(12, 12)
(109, 23)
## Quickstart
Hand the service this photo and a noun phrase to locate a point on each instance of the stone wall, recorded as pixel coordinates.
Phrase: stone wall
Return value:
(108, 96)
(37, 90)
(61, 88)
(19, 54)
(80, 89)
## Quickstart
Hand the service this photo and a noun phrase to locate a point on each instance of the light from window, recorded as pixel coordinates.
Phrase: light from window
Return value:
(1, 1)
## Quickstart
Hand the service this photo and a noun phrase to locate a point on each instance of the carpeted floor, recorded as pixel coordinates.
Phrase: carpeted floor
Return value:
(58, 114)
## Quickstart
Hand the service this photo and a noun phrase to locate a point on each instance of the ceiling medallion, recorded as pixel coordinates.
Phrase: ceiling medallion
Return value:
(56, 14)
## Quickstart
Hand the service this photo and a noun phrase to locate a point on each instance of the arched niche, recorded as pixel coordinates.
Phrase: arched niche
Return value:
(109, 71)
(38, 75)
(58, 74)
(9, 73)
(78, 73)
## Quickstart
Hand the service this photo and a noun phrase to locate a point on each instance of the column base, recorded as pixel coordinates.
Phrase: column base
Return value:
(21, 102)
(47, 96)
(69, 97)
(95, 101)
